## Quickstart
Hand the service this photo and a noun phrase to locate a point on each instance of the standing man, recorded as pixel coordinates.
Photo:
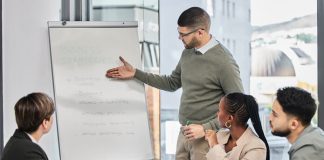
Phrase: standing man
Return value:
(34, 117)
(291, 116)
(206, 72)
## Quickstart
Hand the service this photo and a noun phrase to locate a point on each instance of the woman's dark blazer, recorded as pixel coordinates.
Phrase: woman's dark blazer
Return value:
(21, 147)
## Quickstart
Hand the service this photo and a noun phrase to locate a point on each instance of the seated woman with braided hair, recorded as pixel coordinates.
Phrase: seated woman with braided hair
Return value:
(237, 141)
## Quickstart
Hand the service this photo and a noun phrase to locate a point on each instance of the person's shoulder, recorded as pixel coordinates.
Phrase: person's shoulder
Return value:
(220, 49)
(317, 132)
(309, 145)
(220, 53)
(20, 138)
(252, 140)
(20, 144)
(20, 148)
(252, 146)
(257, 142)
(313, 136)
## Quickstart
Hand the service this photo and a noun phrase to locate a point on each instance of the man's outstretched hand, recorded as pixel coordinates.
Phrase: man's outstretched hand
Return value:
(125, 71)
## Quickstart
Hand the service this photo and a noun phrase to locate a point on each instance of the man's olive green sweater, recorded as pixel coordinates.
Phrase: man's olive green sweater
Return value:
(204, 78)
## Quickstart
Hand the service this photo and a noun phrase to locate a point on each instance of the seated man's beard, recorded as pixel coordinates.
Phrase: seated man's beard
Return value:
(283, 133)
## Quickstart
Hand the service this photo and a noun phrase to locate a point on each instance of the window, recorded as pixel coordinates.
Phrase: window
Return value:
(228, 9)
(233, 9)
(157, 51)
(223, 8)
(283, 53)
(147, 57)
(153, 55)
(234, 46)
(210, 7)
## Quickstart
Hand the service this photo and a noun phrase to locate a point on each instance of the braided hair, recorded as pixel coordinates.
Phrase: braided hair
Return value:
(245, 107)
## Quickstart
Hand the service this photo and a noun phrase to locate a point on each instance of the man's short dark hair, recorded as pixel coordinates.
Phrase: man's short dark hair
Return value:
(32, 110)
(194, 18)
(297, 102)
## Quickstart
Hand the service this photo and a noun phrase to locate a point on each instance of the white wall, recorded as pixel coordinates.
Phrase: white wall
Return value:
(26, 59)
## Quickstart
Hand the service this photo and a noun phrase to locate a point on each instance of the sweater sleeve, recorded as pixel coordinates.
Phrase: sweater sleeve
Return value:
(212, 124)
(167, 83)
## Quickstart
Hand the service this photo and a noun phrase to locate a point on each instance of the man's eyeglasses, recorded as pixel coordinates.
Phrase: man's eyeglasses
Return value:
(186, 34)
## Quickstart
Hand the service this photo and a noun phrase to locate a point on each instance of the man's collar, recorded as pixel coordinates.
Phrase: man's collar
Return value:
(211, 43)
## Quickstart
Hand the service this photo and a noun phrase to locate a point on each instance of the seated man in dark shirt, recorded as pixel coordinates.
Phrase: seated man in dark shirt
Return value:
(34, 119)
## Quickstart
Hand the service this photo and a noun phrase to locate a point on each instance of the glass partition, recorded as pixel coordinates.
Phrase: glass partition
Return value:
(284, 53)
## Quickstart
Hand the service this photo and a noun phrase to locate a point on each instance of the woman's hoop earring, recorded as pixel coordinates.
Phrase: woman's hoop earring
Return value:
(228, 125)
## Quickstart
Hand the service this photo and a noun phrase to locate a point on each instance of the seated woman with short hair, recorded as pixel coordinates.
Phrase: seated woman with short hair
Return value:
(34, 117)
(237, 141)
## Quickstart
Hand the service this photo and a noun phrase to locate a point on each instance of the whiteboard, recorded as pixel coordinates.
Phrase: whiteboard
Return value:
(98, 118)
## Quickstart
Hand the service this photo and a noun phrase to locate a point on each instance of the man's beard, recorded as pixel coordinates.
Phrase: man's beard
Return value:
(283, 133)
(192, 44)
